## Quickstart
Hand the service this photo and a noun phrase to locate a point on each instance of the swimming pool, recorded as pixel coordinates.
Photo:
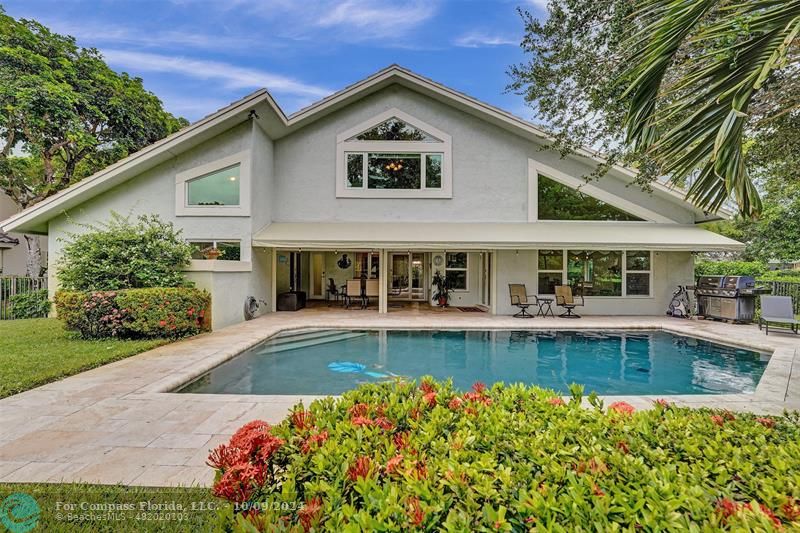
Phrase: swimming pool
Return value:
(633, 362)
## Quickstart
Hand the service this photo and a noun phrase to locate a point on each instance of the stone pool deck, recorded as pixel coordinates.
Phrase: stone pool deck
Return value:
(119, 424)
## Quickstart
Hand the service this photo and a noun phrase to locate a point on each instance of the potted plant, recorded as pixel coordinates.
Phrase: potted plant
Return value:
(212, 253)
(441, 288)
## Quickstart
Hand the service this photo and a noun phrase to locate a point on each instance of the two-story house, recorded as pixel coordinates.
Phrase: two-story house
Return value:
(392, 179)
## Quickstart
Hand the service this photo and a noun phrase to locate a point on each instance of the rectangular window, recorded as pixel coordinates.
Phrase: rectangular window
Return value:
(455, 270)
(355, 170)
(394, 171)
(433, 171)
(550, 271)
(218, 188)
(595, 273)
(637, 273)
(222, 250)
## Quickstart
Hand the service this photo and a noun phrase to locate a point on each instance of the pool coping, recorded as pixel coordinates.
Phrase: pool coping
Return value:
(772, 386)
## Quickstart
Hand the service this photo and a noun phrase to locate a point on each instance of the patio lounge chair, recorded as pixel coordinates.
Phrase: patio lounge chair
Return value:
(565, 299)
(519, 298)
(353, 292)
(372, 290)
(777, 310)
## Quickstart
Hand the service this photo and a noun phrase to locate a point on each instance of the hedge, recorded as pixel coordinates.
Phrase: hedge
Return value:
(135, 313)
(32, 304)
(398, 457)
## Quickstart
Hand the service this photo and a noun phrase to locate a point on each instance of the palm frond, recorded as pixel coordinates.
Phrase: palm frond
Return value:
(695, 127)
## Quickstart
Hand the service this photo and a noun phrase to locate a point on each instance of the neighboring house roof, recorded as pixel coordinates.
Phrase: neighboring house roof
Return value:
(277, 124)
(7, 241)
(492, 235)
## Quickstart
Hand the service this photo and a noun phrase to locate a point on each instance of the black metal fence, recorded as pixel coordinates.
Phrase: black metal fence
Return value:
(11, 286)
(784, 288)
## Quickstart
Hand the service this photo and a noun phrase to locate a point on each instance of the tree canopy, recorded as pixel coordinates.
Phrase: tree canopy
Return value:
(64, 113)
(700, 88)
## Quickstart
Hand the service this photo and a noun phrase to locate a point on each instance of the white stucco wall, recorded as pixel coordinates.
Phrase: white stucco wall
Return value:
(670, 269)
(153, 192)
(13, 260)
(490, 170)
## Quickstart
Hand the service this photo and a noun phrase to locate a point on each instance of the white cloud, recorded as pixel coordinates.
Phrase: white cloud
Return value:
(377, 19)
(230, 76)
(480, 40)
(541, 4)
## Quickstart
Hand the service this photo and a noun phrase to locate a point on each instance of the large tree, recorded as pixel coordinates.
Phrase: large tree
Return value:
(648, 83)
(64, 114)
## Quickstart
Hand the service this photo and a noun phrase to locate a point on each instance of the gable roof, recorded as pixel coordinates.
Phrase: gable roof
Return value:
(277, 124)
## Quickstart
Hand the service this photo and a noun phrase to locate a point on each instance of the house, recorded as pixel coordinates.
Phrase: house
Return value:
(393, 178)
(13, 250)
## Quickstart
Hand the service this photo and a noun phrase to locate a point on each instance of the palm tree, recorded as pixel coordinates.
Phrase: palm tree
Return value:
(692, 122)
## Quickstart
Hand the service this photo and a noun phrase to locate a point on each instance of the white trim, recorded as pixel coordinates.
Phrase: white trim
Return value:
(594, 191)
(215, 265)
(182, 209)
(443, 146)
(533, 191)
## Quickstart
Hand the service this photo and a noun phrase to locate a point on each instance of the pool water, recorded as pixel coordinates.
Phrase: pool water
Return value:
(638, 363)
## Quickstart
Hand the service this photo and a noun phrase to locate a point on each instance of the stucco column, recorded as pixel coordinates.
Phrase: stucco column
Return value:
(383, 290)
(273, 261)
(493, 281)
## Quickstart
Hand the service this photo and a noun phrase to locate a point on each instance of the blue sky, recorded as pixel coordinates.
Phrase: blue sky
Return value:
(199, 55)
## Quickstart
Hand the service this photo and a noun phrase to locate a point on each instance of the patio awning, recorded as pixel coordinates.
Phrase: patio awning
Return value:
(492, 236)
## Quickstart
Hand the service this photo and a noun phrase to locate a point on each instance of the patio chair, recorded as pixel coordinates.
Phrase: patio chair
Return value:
(353, 292)
(372, 290)
(519, 298)
(565, 299)
(332, 291)
(777, 310)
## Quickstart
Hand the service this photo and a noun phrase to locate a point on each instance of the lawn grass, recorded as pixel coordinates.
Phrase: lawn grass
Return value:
(83, 507)
(37, 351)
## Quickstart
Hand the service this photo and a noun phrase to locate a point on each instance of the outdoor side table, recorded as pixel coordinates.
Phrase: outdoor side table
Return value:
(545, 307)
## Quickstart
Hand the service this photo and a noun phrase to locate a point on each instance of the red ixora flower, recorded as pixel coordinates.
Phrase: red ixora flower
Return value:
(314, 441)
(427, 387)
(393, 464)
(455, 403)
(415, 513)
(256, 441)
(359, 469)
(556, 401)
(224, 457)
(623, 408)
(718, 420)
(383, 423)
(430, 398)
(302, 420)
(400, 440)
(663, 403)
(310, 513)
(361, 421)
(359, 409)
(479, 387)
(791, 509)
(597, 491)
(239, 483)
(767, 422)
(623, 446)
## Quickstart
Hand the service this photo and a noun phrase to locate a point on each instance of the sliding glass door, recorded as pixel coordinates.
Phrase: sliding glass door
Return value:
(407, 276)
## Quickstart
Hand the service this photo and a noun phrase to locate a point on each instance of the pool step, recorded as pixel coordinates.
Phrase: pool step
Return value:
(307, 343)
(289, 337)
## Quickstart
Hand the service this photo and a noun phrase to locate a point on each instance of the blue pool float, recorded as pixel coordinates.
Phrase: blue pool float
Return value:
(348, 367)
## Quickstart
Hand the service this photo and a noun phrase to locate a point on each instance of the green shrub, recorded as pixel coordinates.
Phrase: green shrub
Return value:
(32, 304)
(135, 313)
(125, 255)
(791, 276)
(514, 458)
(729, 268)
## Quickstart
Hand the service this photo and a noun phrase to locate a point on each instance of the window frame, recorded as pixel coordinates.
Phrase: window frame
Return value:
(565, 273)
(465, 269)
(182, 179)
(345, 146)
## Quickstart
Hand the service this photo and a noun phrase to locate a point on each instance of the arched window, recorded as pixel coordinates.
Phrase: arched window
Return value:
(393, 155)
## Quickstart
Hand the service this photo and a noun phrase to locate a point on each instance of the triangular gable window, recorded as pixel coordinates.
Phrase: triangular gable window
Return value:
(394, 129)
(560, 202)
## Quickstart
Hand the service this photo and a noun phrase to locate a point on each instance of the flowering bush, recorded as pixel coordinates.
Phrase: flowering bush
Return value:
(510, 458)
(135, 313)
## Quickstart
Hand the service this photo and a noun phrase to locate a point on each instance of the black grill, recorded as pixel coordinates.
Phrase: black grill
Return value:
(727, 297)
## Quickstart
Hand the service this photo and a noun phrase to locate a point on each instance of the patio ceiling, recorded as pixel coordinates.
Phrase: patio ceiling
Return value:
(492, 236)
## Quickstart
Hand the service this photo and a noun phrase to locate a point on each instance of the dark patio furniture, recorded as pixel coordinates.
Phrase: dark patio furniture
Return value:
(545, 307)
(519, 298)
(565, 299)
(332, 291)
(777, 310)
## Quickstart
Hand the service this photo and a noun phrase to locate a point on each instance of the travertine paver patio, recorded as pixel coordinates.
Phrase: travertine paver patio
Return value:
(119, 423)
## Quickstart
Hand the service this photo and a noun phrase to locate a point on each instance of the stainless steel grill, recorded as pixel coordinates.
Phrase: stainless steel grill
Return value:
(727, 297)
